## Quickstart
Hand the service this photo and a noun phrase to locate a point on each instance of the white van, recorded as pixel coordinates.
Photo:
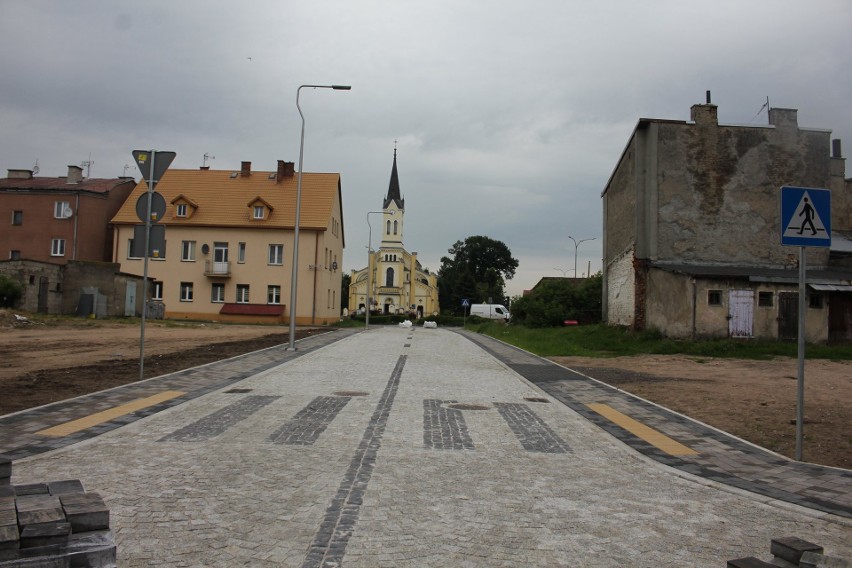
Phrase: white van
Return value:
(490, 311)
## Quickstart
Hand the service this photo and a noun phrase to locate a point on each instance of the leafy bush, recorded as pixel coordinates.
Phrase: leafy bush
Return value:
(10, 292)
(555, 300)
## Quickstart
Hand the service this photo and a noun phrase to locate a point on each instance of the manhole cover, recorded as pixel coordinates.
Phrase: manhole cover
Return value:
(535, 399)
(238, 391)
(350, 393)
(468, 406)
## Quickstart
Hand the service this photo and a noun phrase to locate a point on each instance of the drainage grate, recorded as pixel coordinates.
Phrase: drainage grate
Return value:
(535, 399)
(468, 406)
(238, 391)
(350, 393)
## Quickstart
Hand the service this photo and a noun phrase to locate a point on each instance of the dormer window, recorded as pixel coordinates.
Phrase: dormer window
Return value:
(259, 209)
(184, 207)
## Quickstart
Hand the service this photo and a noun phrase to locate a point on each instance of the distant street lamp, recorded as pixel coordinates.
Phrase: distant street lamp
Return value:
(564, 271)
(369, 269)
(576, 246)
(294, 276)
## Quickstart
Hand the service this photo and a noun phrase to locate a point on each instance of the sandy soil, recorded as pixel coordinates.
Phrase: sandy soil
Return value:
(755, 400)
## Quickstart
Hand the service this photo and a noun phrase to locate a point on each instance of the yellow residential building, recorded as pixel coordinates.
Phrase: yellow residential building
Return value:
(229, 239)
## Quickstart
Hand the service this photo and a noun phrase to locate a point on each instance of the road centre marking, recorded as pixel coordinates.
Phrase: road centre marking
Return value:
(653, 437)
(74, 426)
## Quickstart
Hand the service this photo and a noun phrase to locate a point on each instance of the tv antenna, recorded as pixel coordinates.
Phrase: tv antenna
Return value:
(207, 157)
(88, 165)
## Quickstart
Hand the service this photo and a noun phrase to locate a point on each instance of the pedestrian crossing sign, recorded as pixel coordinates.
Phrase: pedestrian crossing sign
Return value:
(805, 217)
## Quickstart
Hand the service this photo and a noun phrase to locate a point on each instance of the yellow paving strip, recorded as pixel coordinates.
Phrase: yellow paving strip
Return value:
(653, 437)
(108, 414)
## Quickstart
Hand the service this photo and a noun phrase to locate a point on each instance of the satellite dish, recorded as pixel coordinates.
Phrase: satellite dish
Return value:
(205, 248)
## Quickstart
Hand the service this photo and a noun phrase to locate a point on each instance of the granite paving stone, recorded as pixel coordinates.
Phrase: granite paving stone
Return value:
(369, 491)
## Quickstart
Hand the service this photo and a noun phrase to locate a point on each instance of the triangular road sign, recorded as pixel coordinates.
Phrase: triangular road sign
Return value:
(805, 217)
(162, 161)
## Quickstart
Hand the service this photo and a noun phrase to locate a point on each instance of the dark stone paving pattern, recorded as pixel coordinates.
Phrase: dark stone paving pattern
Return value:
(444, 428)
(216, 423)
(329, 543)
(18, 438)
(309, 423)
(530, 430)
(722, 458)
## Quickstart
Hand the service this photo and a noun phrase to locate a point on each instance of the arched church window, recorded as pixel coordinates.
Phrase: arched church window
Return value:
(387, 231)
(395, 226)
(389, 277)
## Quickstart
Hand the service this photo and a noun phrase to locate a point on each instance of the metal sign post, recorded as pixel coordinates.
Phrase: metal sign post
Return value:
(152, 171)
(805, 222)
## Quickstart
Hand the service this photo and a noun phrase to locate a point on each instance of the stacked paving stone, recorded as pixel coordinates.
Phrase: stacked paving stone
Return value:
(792, 552)
(55, 524)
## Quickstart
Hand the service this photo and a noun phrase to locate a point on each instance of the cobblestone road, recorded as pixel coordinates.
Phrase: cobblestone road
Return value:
(406, 447)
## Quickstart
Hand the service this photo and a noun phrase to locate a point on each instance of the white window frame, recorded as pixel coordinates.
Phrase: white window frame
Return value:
(187, 251)
(242, 293)
(241, 253)
(181, 210)
(276, 255)
(186, 291)
(273, 294)
(57, 247)
(157, 291)
(259, 212)
(217, 298)
(130, 250)
(62, 210)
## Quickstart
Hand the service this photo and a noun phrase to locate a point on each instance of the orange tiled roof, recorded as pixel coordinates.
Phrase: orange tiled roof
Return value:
(222, 199)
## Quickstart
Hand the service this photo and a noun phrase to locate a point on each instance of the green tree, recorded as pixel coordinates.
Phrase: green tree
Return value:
(484, 262)
(555, 300)
(344, 291)
(10, 291)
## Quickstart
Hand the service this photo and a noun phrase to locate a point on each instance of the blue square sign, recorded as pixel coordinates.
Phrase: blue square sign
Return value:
(805, 217)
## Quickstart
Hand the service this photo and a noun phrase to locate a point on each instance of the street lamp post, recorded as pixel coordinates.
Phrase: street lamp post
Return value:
(576, 246)
(369, 268)
(295, 274)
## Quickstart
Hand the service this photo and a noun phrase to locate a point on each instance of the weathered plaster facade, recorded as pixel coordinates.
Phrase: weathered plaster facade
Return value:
(693, 207)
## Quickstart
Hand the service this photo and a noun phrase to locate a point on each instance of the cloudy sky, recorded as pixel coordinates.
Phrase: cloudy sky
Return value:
(509, 116)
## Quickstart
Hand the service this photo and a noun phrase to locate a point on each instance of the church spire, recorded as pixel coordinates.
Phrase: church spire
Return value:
(393, 188)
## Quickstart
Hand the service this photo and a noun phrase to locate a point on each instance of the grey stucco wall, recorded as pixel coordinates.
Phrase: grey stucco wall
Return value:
(718, 190)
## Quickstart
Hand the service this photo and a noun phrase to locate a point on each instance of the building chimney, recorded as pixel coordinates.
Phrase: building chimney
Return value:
(19, 174)
(835, 148)
(704, 115)
(784, 117)
(708, 101)
(204, 168)
(245, 169)
(75, 174)
(285, 169)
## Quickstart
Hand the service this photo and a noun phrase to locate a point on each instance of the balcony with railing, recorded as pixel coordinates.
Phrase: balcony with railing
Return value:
(217, 269)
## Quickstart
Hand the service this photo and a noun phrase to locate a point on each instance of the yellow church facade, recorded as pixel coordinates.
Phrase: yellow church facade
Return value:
(394, 282)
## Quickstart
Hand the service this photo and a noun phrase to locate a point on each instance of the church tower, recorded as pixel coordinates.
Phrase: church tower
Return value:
(393, 282)
(394, 208)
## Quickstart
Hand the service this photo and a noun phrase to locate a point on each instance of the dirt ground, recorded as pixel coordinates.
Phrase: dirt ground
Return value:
(755, 400)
